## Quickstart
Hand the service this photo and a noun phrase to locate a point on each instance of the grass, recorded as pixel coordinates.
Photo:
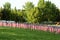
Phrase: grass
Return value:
(7, 33)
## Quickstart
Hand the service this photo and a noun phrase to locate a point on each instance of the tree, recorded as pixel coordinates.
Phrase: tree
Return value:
(7, 5)
(45, 11)
(49, 10)
(6, 11)
(28, 6)
(33, 15)
(20, 16)
(0, 12)
(41, 3)
(17, 15)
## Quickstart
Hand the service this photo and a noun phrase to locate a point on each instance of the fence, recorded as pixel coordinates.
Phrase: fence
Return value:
(31, 26)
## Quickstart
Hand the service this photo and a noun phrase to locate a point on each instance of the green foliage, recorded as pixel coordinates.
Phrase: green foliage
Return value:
(30, 16)
(28, 5)
(50, 11)
(20, 16)
(44, 11)
(41, 4)
(6, 11)
(7, 5)
(17, 15)
(33, 15)
(0, 12)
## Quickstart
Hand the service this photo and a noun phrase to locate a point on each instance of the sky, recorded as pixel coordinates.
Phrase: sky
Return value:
(19, 3)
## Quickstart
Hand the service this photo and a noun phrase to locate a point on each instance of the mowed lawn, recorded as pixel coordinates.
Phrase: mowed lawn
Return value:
(7, 33)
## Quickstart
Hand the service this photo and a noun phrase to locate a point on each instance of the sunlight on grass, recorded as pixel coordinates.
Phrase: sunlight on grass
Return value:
(8, 33)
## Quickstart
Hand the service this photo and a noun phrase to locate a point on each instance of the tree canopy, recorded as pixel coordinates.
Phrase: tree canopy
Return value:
(44, 11)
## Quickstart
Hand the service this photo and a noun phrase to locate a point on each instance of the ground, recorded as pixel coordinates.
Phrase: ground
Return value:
(7, 33)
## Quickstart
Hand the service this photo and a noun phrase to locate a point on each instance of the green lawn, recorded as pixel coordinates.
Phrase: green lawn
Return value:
(7, 33)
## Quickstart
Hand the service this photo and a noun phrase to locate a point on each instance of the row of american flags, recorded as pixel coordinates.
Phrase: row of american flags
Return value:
(31, 26)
